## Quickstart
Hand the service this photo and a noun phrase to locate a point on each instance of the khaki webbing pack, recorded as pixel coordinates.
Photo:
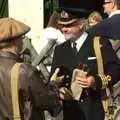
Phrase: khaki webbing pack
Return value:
(14, 91)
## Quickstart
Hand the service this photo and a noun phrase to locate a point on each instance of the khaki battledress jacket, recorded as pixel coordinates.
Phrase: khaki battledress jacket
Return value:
(32, 89)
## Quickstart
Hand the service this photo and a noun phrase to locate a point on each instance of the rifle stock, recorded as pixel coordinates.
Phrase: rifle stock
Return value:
(38, 59)
(44, 52)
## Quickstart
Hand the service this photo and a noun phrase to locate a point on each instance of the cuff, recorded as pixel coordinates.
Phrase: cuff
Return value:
(104, 80)
(97, 84)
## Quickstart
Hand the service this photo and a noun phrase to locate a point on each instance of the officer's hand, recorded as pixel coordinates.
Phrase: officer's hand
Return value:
(85, 82)
(57, 80)
(65, 94)
(83, 77)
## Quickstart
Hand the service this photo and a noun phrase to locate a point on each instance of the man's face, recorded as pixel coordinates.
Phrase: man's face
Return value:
(19, 44)
(108, 6)
(72, 31)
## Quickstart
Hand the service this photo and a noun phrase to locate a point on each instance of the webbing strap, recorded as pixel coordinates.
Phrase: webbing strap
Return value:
(14, 91)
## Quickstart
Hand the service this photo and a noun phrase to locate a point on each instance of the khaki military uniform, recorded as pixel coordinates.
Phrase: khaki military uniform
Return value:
(34, 95)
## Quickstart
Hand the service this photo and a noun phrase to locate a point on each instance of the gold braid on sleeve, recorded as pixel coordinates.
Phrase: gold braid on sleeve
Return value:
(105, 79)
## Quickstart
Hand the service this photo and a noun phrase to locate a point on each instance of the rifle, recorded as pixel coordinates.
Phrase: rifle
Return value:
(38, 60)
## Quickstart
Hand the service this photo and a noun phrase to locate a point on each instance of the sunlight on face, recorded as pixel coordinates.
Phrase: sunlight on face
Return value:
(72, 31)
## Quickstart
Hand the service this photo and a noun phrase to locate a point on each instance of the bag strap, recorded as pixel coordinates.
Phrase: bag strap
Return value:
(104, 78)
(14, 91)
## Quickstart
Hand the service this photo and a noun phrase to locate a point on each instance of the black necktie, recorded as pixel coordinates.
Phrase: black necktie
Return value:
(74, 48)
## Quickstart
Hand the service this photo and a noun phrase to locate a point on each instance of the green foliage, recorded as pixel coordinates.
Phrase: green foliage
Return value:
(49, 7)
(3, 8)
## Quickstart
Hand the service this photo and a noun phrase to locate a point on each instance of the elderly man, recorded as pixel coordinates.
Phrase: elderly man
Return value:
(78, 51)
(110, 26)
(33, 94)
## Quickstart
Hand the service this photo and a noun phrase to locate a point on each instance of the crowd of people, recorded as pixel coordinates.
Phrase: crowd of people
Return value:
(84, 68)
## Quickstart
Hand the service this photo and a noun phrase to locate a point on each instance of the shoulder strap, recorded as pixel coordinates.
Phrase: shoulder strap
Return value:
(14, 91)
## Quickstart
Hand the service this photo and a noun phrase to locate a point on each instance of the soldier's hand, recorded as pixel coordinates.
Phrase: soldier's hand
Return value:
(65, 94)
(55, 78)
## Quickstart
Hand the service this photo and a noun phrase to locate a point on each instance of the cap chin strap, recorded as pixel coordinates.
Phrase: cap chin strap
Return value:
(67, 22)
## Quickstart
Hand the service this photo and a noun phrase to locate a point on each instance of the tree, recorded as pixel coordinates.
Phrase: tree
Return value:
(3, 8)
(49, 7)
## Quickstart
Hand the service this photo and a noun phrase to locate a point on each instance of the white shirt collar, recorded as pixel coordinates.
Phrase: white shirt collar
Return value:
(114, 13)
(81, 40)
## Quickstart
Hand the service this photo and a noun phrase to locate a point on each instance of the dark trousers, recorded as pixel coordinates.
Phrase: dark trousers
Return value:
(83, 110)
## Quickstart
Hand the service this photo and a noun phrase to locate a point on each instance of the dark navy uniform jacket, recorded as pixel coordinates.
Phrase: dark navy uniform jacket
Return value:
(109, 27)
(89, 107)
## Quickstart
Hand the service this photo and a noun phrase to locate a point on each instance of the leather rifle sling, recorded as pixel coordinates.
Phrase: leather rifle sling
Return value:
(96, 43)
(14, 91)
